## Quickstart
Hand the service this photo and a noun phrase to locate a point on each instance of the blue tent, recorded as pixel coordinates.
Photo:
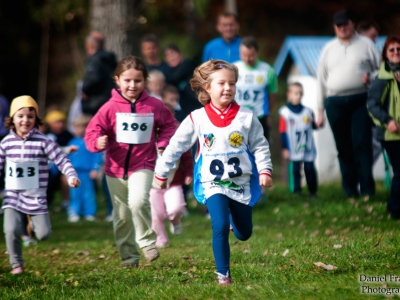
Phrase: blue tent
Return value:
(304, 52)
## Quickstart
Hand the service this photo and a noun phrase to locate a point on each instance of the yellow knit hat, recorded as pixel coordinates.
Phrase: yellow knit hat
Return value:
(54, 116)
(22, 102)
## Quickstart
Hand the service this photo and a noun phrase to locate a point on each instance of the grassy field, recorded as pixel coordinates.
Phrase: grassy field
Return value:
(290, 234)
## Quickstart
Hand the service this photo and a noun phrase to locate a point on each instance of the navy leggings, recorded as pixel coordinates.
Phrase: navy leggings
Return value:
(225, 212)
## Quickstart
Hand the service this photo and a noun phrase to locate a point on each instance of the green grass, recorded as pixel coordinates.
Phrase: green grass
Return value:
(81, 261)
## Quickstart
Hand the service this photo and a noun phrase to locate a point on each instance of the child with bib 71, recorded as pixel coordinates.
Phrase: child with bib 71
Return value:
(232, 162)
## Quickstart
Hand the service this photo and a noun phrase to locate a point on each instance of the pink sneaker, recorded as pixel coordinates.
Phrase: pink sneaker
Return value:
(224, 279)
(17, 270)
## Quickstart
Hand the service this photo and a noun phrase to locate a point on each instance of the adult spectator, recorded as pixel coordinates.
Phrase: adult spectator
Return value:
(369, 29)
(225, 47)
(150, 51)
(343, 80)
(98, 80)
(384, 107)
(257, 86)
(181, 71)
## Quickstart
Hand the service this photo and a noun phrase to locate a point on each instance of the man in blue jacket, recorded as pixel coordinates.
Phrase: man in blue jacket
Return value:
(227, 46)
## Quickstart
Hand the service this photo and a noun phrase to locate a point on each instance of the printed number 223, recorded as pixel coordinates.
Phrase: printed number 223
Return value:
(20, 172)
(217, 168)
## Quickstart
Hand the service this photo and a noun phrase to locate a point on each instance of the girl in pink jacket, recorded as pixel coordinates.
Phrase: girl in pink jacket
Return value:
(125, 127)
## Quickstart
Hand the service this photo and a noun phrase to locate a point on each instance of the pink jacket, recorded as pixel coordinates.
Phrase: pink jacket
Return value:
(142, 156)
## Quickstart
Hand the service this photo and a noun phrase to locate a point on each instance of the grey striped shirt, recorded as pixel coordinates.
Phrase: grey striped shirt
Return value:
(36, 146)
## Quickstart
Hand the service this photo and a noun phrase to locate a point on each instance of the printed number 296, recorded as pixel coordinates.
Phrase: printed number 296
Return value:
(20, 172)
(134, 126)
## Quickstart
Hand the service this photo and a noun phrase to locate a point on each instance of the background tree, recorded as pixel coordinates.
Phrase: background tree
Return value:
(119, 21)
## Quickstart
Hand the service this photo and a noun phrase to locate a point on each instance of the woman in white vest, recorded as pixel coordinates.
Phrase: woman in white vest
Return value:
(233, 160)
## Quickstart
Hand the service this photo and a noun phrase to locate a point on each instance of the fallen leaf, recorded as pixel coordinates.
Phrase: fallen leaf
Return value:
(279, 235)
(84, 252)
(37, 273)
(102, 256)
(285, 252)
(56, 251)
(248, 287)
(291, 222)
(353, 202)
(328, 232)
(337, 246)
(326, 267)
(276, 210)
(266, 252)
(245, 250)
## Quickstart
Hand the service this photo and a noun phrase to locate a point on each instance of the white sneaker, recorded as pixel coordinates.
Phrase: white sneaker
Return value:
(109, 218)
(176, 229)
(73, 219)
(28, 241)
(90, 218)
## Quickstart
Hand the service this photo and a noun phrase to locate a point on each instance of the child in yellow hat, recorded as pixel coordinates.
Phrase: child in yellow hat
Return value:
(25, 152)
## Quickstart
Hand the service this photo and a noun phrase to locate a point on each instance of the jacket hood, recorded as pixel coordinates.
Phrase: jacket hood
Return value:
(106, 58)
(384, 73)
(117, 97)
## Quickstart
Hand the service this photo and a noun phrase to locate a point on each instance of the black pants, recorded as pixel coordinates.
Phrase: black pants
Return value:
(311, 176)
(264, 123)
(351, 127)
(393, 150)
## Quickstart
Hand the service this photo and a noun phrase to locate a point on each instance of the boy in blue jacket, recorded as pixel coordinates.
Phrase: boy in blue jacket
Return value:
(83, 200)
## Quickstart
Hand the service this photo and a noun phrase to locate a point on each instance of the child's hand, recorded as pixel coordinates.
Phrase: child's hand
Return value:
(162, 184)
(285, 153)
(393, 126)
(70, 149)
(102, 142)
(160, 151)
(265, 180)
(188, 180)
(74, 182)
(93, 174)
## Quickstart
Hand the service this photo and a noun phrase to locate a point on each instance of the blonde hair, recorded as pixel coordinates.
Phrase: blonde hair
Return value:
(82, 120)
(156, 75)
(202, 76)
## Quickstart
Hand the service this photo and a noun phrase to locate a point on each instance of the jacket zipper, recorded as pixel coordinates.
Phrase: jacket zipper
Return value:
(128, 155)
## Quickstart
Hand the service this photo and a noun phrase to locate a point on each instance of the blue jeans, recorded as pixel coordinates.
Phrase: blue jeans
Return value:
(225, 212)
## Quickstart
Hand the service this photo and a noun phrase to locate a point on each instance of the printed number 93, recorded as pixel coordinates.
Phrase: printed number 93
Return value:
(217, 168)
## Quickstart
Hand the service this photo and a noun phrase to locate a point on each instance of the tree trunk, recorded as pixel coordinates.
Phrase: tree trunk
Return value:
(116, 19)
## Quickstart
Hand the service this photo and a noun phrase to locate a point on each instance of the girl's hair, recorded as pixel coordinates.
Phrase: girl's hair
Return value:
(8, 122)
(202, 76)
(390, 40)
(131, 62)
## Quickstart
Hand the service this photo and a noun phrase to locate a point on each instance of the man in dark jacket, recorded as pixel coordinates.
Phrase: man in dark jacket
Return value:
(98, 80)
